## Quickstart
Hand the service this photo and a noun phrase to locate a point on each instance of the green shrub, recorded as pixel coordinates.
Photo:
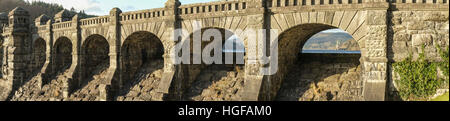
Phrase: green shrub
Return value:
(444, 65)
(418, 79)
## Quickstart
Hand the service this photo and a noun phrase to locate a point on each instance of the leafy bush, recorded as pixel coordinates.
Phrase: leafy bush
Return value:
(444, 65)
(418, 79)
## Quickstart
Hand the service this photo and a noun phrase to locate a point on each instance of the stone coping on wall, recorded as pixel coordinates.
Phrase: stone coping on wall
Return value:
(415, 6)
(362, 6)
(94, 20)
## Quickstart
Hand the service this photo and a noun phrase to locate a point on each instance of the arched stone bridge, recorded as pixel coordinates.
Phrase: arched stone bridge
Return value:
(125, 41)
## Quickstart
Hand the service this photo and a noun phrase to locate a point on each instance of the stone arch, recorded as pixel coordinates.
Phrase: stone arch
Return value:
(95, 56)
(58, 34)
(200, 77)
(290, 44)
(239, 25)
(156, 28)
(38, 55)
(141, 62)
(352, 21)
(62, 54)
(94, 31)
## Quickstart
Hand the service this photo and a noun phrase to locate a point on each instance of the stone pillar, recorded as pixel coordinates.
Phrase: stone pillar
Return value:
(48, 37)
(48, 67)
(72, 81)
(113, 78)
(17, 50)
(170, 69)
(375, 60)
(253, 78)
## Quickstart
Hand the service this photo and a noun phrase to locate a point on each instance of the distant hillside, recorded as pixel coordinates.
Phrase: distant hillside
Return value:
(328, 41)
(37, 8)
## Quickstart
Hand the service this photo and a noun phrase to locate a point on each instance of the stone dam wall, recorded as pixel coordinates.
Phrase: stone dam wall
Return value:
(126, 56)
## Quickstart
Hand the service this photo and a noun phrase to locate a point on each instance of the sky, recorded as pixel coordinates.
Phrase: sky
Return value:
(102, 7)
(333, 31)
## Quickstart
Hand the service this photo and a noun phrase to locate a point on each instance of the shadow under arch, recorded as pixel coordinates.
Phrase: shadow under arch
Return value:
(94, 58)
(61, 58)
(141, 55)
(198, 77)
(38, 56)
(290, 59)
(2, 53)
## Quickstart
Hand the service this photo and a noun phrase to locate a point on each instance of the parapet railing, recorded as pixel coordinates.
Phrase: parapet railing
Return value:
(285, 3)
(41, 27)
(142, 14)
(225, 6)
(420, 1)
(94, 20)
(210, 7)
(62, 25)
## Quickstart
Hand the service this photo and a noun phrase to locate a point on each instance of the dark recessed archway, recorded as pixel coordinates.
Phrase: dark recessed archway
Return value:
(1, 55)
(202, 81)
(139, 49)
(92, 70)
(141, 62)
(95, 51)
(62, 54)
(38, 55)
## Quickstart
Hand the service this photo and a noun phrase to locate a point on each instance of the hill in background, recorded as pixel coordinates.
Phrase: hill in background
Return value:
(37, 8)
(329, 41)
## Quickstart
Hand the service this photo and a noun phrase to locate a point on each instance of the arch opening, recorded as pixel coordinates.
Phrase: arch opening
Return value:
(317, 62)
(55, 84)
(38, 56)
(142, 65)
(96, 56)
(62, 55)
(93, 68)
(2, 54)
(217, 81)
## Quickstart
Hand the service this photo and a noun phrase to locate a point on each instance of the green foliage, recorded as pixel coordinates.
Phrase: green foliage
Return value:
(418, 79)
(37, 8)
(444, 65)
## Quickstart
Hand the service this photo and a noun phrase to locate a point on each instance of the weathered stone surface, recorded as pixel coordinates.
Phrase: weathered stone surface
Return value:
(427, 28)
(412, 30)
(92, 91)
(338, 79)
(421, 39)
(56, 90)
(137, 42)
(217, 83)
(146, 80)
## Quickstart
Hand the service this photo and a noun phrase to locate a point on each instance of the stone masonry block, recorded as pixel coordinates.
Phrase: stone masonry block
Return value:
(421, 39)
